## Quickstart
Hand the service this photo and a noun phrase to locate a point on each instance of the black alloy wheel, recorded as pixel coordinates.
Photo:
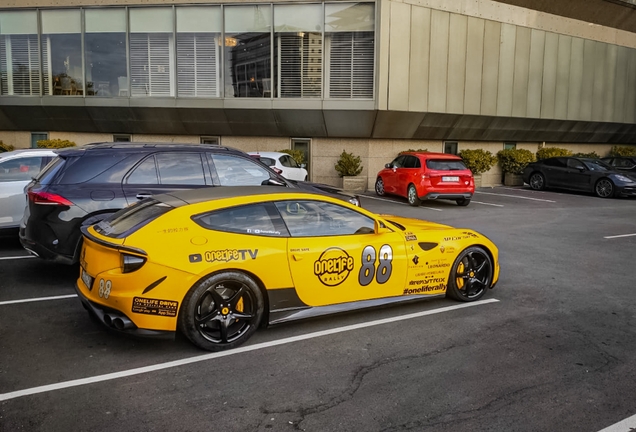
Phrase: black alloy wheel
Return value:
(604, 188)
(222, 311)
(411, 194)
(471, 275)
(537, 181)
(463, 202)
(379, 187)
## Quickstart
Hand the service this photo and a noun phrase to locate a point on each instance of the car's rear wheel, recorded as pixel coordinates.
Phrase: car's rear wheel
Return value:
(537, 181)
(305, 178)
(379, 187)
(604, 188)
(221, 311)
(471, 275)
(411, 194)
(463, 202)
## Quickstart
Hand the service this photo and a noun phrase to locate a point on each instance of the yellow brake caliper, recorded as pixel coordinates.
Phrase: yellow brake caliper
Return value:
(460, 271)
(239, 306)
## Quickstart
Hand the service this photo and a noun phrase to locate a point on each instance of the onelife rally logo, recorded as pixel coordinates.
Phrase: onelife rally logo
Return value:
(333, 266)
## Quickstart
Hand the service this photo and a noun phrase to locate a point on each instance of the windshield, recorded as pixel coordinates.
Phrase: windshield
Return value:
(597, 165)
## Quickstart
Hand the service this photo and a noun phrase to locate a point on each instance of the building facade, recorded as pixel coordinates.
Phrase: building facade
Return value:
(371, 78)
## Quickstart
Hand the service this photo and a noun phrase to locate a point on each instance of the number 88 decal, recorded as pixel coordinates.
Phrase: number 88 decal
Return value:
(367, 271)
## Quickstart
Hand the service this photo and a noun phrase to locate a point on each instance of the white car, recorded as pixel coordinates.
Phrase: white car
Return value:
(17, 168)
(283, 164)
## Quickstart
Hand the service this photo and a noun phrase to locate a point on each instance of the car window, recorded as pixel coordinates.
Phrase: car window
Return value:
(316, 219)
(82, 169)
(254, 219)
(398, 162)
(411, 162)
(145, 173)
(445, 164)
(180, 168)
(555, 162)
(623, 163)
(268, 161)
(284, 160)
(238, 171)
(20, 169)
(131, 218)
(292, 162)
(597, 165)
(575, 163)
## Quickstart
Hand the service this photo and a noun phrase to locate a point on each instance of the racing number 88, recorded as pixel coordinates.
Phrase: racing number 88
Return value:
(367, 271)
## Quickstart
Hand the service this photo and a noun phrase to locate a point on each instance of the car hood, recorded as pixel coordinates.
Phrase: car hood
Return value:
(416, 224)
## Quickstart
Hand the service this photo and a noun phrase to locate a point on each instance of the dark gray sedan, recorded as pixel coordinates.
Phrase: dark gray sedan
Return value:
(579, 174)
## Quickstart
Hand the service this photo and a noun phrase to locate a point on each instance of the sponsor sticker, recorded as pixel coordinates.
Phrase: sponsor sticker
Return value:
(333, 267)
(158, 307)
(228, 255)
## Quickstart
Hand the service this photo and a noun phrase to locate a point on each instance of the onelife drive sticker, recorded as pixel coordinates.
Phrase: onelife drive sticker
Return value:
(333, 266)
(155, 307)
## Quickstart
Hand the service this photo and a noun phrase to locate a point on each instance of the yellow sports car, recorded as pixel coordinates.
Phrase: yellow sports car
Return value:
(217, 263)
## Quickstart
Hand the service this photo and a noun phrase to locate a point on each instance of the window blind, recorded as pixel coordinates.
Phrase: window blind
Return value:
(198, 65)
(350, 65)
(150, 64)
(20, 65)
(300, 65)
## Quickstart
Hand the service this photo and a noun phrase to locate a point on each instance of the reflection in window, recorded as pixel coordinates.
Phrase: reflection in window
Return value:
(255, 219)
(180, 169)
(247, 51)
(38, 136)
(238, 171)
(298, 50)
(145, 173)
(349, 50)
(151, 51)
(62, 52)
(198, 54)
(105, 50)
(19, 59)
(23, 169)
(316, 218)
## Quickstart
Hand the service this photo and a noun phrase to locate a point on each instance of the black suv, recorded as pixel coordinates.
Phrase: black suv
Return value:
(85, 185)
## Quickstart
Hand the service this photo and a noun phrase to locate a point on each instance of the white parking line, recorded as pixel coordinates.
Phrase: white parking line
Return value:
(397, 202)
(8, 302)
(620, 236)
(205, 357)
(490, 204)
(629, 424)
(16, 257)
(514, 196)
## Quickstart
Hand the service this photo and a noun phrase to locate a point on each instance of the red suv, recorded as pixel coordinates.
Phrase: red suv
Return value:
(423, 175)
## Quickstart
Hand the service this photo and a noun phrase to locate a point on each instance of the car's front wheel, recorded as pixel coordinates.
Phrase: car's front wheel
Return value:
(537, 181)
(471, 275)
(604, 188)
(411, 195)
(221, 311)
(379, 187)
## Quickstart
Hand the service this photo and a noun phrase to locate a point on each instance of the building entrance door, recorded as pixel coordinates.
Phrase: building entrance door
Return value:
(304, 146)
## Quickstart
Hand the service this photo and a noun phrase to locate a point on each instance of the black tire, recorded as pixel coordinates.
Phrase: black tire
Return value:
(222, 311)
(305, 178)
(379, 187)
(471, 275)
(604, 188)
(463, 202)
(537, 181)
(411, 195)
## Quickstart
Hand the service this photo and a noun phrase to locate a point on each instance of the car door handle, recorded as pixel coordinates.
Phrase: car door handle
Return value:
(297, 257)
(141, 196)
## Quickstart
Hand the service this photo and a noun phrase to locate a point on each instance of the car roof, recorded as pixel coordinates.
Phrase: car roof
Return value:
(432, 155)
(194, 196)
(275, 155)
(143, 147)
(26, 152)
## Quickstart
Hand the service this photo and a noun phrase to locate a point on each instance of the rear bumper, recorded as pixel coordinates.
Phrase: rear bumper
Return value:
(40, 251)
(447, 195)
(109, 317)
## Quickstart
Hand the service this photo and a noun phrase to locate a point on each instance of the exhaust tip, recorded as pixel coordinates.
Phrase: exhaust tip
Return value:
(118, 323)
(108, 320)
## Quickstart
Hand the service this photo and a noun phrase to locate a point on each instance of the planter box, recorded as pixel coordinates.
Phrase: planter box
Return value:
(354, 183)
(477, 179)
(513, 180)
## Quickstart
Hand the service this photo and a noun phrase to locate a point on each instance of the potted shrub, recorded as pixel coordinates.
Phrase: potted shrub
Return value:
(349, 167)
(55, 143)
(548, 152)
(478, 162)
(623, 151)
(5, 147)
(512, 162)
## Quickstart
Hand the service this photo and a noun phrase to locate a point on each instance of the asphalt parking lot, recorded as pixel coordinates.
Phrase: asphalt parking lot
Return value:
(552, 347)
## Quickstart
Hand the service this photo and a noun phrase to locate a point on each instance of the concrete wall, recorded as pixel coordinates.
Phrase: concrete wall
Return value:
(19, 140)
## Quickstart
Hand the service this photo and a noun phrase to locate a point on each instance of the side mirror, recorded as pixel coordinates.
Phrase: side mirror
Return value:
(379, 227)
(388, 165)
(580, 168)
(272, 182)
(303, 165)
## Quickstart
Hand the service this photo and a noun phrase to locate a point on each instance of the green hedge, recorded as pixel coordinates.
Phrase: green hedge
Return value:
(623, 151)
(6, 147)
(412, 150)
(478, 161)
(591, 155)
(55, 144)
(548, 152)
(298, 156)
(513, 161)
(348, 164)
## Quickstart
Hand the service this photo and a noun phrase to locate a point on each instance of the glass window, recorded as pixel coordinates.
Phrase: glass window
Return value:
(623, 163)
(151, 51)
(180, 169)
(89, 166)
(445, 165)
(127, 220)
(349, 50)
(122, 138)
(399, 162)
(450, 147)
(284, 160)
(510, 145)
(575, 163)
(22, 169)
(247, 51)
(62, 52)
(412, 162)
(19, 58)
(210, 140)
(292, 162)
(596, 165)
(555, 162)
(238, 171)
(298, 50)
(268, 161)
(105, 52)
(316, 219)
(256, 219)
(145, 173)
(38, 136)
(198, 53)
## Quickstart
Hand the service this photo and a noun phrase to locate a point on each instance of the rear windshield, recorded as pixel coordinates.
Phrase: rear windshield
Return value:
(128, 220)
(445, 165)
(86, 167)
(49, 172)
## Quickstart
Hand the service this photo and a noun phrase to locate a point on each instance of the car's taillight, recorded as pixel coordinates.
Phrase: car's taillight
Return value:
(131, 263)
(47, 198)
(277, 170)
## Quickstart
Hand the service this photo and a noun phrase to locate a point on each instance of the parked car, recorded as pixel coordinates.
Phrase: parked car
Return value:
(579, 174)
(427, 176)
(283, 164)
(17, 169)
(86, 184)
(624, 163)
(201, 261)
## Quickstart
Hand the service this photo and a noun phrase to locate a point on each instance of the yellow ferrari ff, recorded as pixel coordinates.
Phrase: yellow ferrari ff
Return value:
(217, 263)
